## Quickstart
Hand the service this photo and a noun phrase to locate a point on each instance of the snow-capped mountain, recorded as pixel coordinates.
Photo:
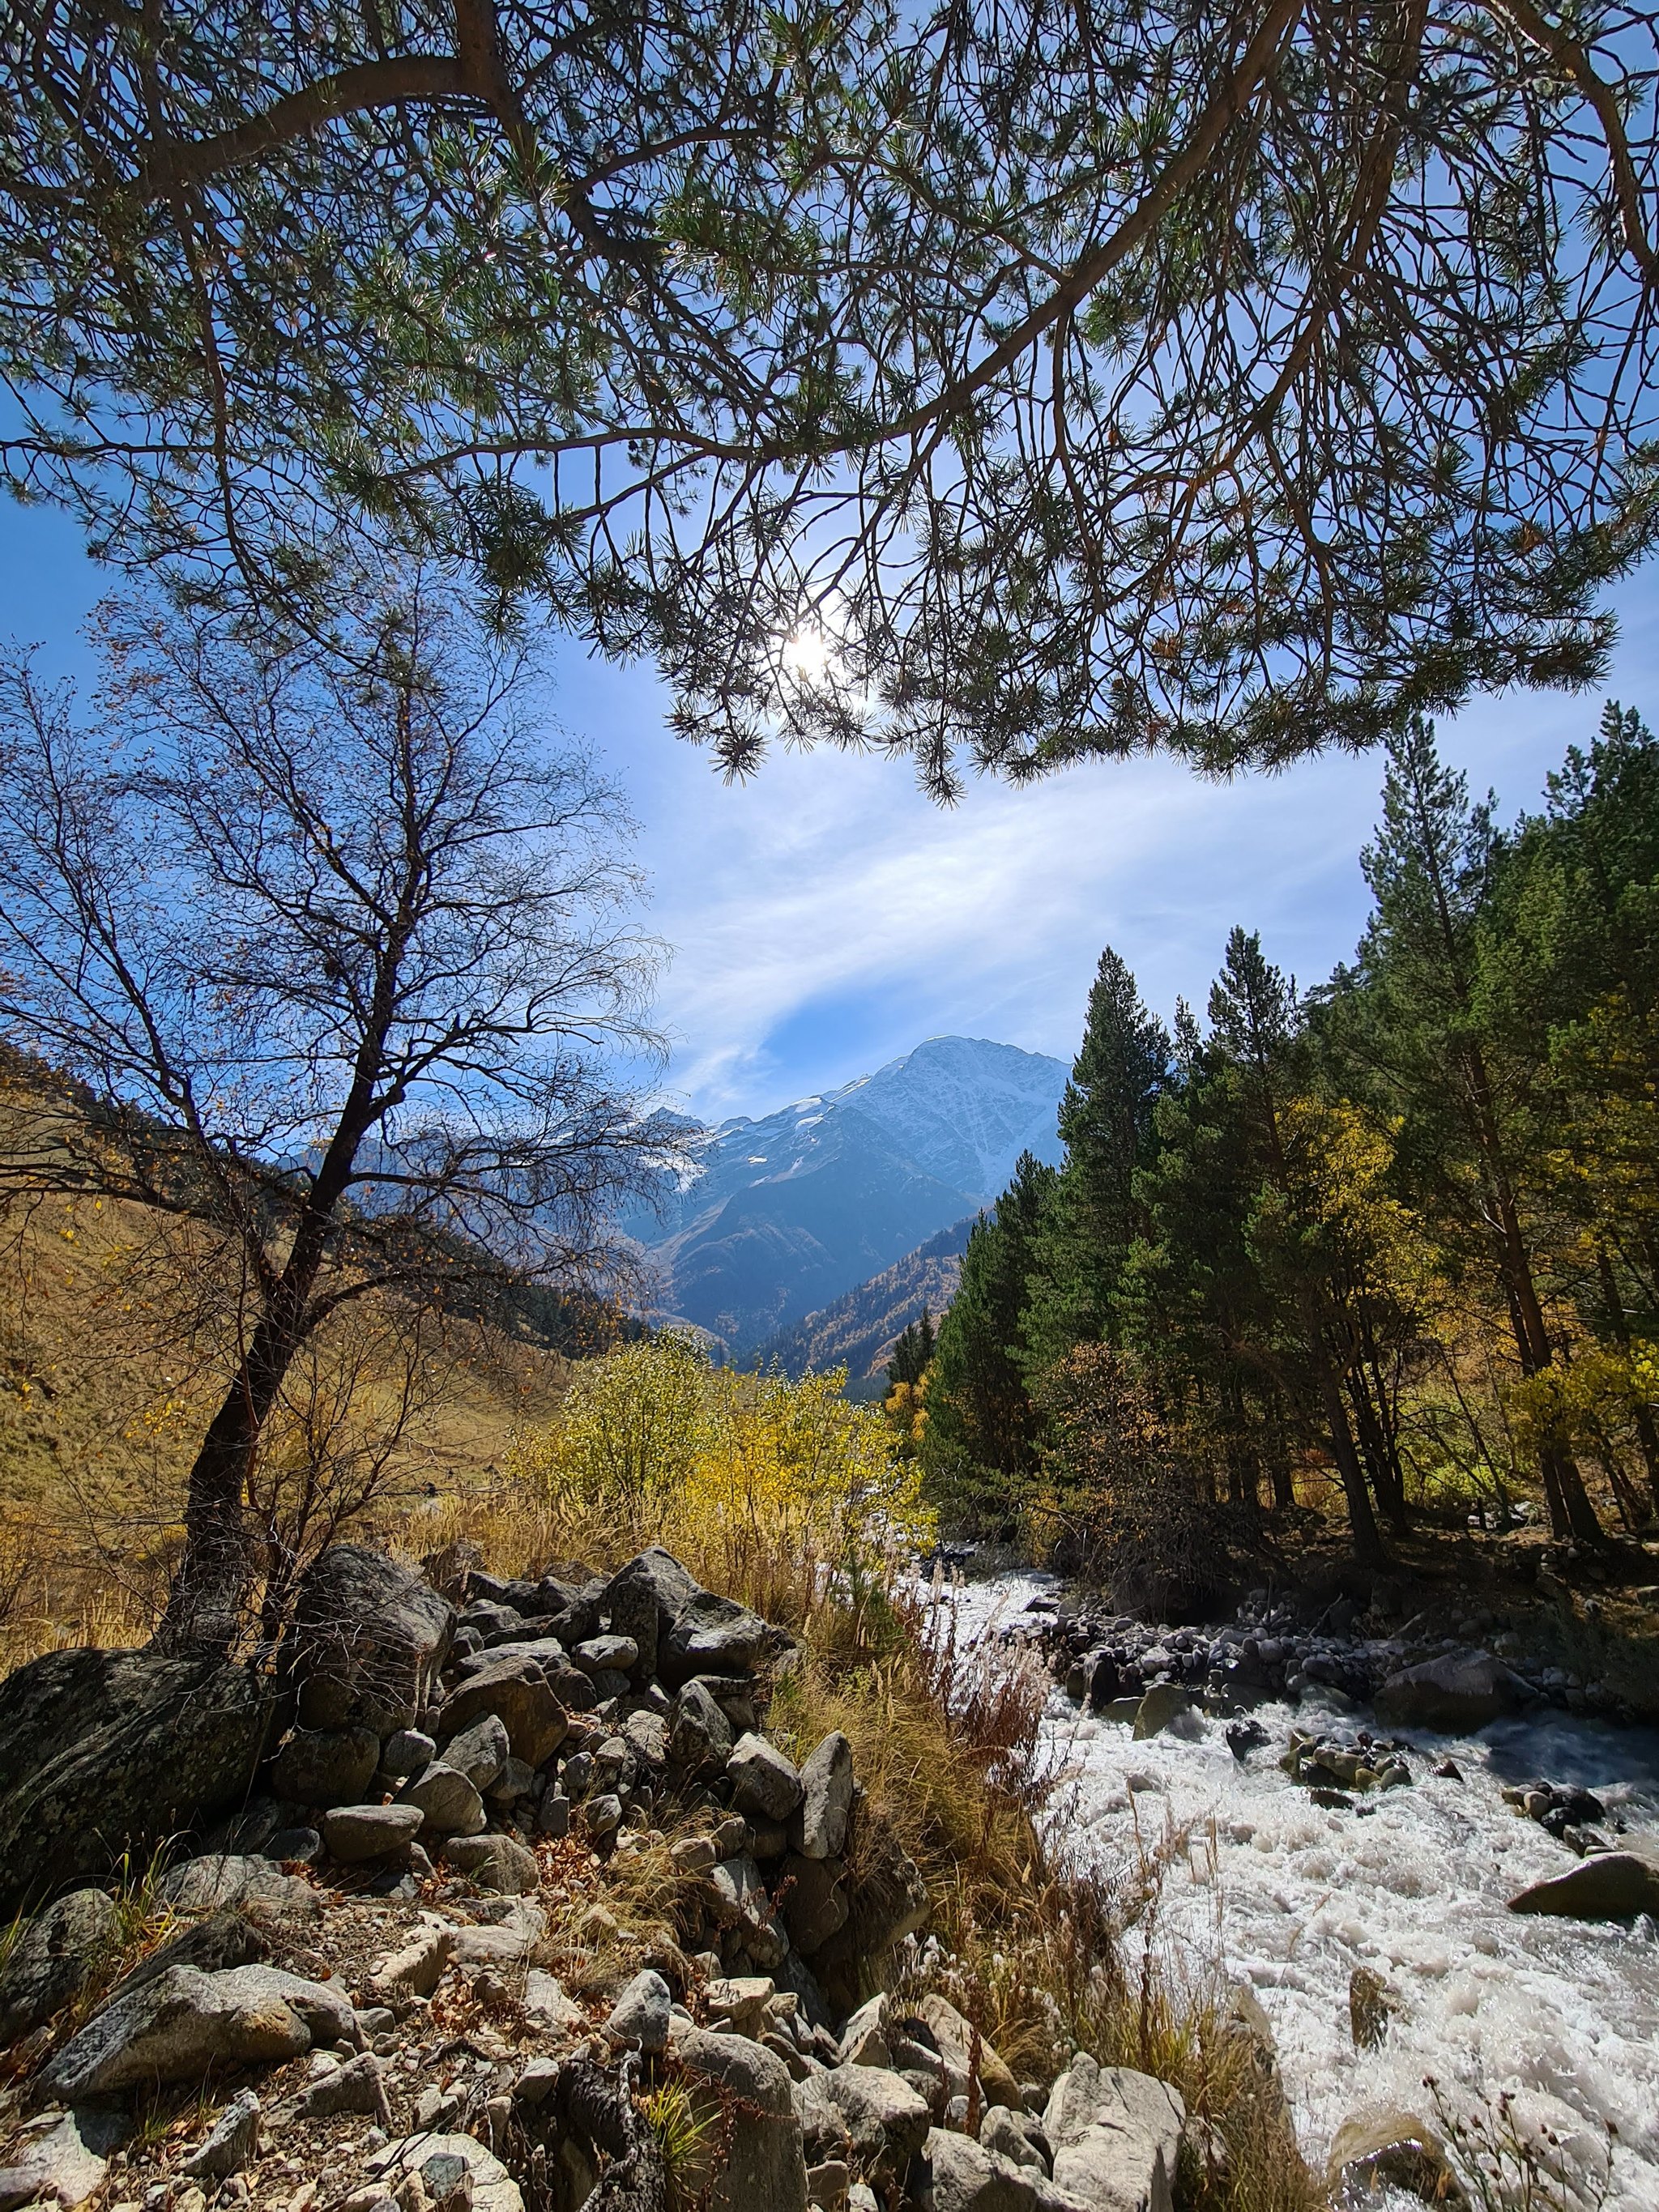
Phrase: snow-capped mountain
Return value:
(784, 1214)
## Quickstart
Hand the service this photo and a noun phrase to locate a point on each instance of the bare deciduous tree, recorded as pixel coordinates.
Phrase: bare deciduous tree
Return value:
(330, 953)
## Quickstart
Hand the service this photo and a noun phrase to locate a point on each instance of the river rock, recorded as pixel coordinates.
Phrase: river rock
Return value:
(175, 2027)
(645, 1598)
(764, 1784)
(1456, 1693)
(493, 1862)
(355, 1832)
(713, 1636)
(62, 2160)
(369, 1639)
(1013, 2134)
(235, 1881)
(1116, 2137)
(481, 1751)
(815, 1905)
(229, 2143)
(1385, 2147)
(1611, 1885)
(57, 1955)
(1162, 1705)
(886, 2120)
(818, 1829)
(447, 1801)
(971, 2177)
(433, 2157)
(639, 2019)
(748, 2090)
(955, 2038)
(699, 1733)
(519, 1695)
(326, 1767)
(1372, 2004)
(106, 1752)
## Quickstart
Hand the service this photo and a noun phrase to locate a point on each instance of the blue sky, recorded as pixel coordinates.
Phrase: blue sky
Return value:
(825, 917)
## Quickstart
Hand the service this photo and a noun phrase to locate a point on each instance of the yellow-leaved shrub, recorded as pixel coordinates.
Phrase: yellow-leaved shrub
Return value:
(762, 1486)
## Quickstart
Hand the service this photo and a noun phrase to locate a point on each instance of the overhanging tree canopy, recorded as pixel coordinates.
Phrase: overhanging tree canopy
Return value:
(1019, 382)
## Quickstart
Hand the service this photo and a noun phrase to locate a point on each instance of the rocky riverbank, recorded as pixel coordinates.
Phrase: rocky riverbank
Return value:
(497, 1894)
(1420, 1857)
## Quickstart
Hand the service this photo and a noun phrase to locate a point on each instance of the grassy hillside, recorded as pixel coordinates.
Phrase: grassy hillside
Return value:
(108, 1375)
(859, 1329)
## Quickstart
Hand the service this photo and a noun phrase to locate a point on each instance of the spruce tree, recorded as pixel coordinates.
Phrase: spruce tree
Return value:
(1421, 1027)
(1107, 1125)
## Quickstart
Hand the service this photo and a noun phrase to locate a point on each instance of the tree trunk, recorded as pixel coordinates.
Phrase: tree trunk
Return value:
(1647, 1436)
(1367, 1546)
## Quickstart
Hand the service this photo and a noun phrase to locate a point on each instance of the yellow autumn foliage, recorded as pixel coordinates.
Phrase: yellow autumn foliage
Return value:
(653, 1444)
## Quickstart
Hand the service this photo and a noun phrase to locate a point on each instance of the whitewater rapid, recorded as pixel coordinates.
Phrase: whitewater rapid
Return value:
(1291, 1897)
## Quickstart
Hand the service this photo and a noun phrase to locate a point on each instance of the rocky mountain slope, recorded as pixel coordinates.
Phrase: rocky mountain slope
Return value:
(859, 1329)
(786, 1213)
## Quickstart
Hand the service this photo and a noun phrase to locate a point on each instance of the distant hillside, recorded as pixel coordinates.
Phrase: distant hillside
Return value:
(859, 1329)
(784, 1215)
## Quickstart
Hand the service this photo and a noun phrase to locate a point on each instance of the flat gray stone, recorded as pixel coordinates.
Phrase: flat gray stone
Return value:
(355, 1832)
(175, 2027)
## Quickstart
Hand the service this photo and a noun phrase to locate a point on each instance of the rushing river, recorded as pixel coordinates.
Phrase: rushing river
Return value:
(1564, 2015)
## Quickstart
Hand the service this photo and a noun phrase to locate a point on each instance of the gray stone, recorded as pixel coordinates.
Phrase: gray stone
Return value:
(356, 2086)
(1116, 2138)
(646, 1736)
(958, 2045)
(864, 2039)
(355, 1832)
(818, 1829)
(713, 1636)
(493, 1862)
(639, 2019)
(416, 1969)
(369, 1639)
(222, 1881)
(764, 1784)
(699, 1733)
(447, 1801)
(827, 2183)
(229, 2143)
(507, 1941)
(108, 1753)
(176, 2026)
(645, 1598)
(515, 1780)
(553, 1815)
(326, 1767)
(971, 2177)
(1610, 1886)
(738, 2002)
(1163, 1705)
(1456, 1693)
(493, 2189)
(480, 1751)
(545, 2002)
(602, 1815)
(227, 1939)
(1014, 2135)
(607, 1654)
(64, 2159)
(406, 1752)
(57, 1955)
(295, 1847)
(886, 2120)
(815, 1905)
(748, 2089)
(519, 1695)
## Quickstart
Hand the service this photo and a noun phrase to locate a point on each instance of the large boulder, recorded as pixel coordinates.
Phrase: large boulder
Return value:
(325, 1766)
(886, 2120)
(175, 2027)
(645, 1598)
(969, 2177)
(742, 2094)
(1116, 2138)
(1453, 1694)
(965, 2054)
(54, 1959)
(369, 1639)
(764, 1784)
(818, 1829)
(106, 1752)
(1609, 1886)
(518, 1692)
(714, 1636)
(1384, 2148)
